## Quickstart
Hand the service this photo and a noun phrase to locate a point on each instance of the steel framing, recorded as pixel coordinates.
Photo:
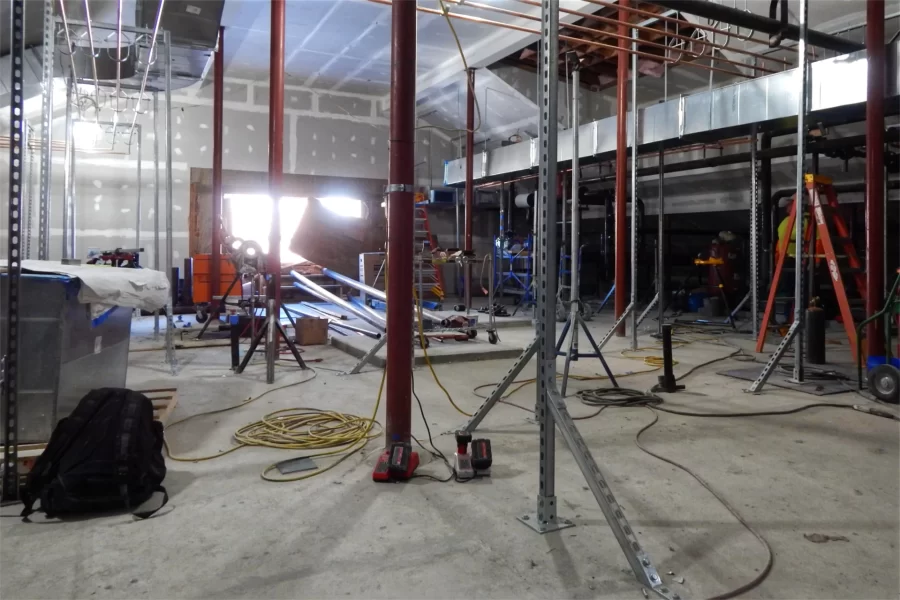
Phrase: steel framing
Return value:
(795, 333)
(10, 483)
(575, 320)
(47, 64)
(52, 28)
(550, 409)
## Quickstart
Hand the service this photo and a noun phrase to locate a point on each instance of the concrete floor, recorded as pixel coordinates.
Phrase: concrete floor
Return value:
(228, 534)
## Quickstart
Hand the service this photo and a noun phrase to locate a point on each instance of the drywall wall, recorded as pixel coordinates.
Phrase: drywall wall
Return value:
(325, 133)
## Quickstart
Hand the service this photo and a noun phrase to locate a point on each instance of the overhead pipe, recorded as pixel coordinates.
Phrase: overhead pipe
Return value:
(621, 235)
(218, 93)
(875, 175)
(608, 34)
(303, 283)
(651, 30)
(570, 39)
(371, 291)
(276, 141)
(743, 18)
(682, 23)
(470, 189)
(401, 224)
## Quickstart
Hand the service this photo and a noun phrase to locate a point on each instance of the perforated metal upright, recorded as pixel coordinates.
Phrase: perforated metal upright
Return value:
(47, 62)
(551, 407)
(545, 518)
(10, 484)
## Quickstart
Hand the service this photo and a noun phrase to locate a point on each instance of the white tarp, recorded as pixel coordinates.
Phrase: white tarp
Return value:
(110, 286)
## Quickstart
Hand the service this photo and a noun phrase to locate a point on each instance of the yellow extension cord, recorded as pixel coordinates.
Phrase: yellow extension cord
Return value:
(330, 432)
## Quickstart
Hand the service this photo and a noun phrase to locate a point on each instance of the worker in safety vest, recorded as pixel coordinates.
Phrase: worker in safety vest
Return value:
(786, 283)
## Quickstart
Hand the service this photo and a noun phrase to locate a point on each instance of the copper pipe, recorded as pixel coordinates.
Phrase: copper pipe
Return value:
(614, 22)
(568, 38)
(647, 13)
(621, 269)
(602, 34)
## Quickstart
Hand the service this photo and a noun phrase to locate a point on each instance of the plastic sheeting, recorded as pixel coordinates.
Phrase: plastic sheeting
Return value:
(145, 289)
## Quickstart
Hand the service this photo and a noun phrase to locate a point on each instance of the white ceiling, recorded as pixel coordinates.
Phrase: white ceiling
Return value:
(344, 44)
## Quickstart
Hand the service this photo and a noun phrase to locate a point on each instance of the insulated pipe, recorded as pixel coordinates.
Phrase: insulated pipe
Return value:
(276, 141)
(369, 290)
(875, 175)
(401, 224)
(218, 88)
(470, 188)
(302, 283)
(621, 235)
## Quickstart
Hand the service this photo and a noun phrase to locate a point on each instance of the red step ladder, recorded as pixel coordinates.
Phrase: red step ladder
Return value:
(825, 214)
(432, 279)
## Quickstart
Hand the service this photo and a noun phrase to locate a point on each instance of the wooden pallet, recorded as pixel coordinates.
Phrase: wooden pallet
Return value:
(164, 401)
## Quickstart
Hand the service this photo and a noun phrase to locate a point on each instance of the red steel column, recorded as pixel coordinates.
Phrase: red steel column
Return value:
(470, 188)
(875, 174)
(400, 225)
(218, 86)
(276, 142)
(621, 229)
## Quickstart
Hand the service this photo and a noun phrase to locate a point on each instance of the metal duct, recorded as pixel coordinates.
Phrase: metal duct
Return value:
(836, 84)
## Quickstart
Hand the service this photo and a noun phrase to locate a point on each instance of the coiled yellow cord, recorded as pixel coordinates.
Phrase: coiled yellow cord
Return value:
(332, 432)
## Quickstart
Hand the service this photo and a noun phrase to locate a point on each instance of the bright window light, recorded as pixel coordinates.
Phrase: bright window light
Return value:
(251, 218)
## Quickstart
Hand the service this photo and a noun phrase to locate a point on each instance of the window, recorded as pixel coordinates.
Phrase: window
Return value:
(251, 218)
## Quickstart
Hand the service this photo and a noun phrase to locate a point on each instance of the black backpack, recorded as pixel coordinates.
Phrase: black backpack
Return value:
(106, 455)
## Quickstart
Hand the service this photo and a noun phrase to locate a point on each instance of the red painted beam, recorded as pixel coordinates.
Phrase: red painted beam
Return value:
(216, 239)
(276, 141)
(621, 228)
(470, 188)
(401, 178)
(875, 174)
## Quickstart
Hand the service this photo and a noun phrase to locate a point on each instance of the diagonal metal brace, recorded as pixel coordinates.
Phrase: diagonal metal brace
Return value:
(498, 392)
(615, 326)
(775, 358)
(638, 558)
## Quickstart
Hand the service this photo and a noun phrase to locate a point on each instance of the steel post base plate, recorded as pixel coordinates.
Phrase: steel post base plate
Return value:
(532, 521)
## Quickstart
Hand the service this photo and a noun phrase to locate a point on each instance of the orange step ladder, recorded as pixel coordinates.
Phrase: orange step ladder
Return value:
(826, 213)
(432, 280)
